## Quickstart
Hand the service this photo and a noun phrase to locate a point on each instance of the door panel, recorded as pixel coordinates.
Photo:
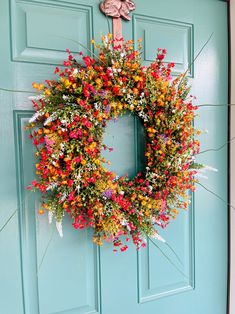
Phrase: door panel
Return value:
(40, 272)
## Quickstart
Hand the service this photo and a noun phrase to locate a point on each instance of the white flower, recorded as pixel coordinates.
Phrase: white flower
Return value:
(38, 97)
(63, 121)
(59, 228)
(78, 177)
(75, 72)
(65, 97)
(210, 168)
(199, 175)
(50, 119)
(51, 186)
(150, 188)
(125, 223)
(158, 237)
(50, 216)
(35, 116)
(64, 195)
(106, 40)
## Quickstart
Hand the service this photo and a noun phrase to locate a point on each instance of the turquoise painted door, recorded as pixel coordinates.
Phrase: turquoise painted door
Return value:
(42, 273)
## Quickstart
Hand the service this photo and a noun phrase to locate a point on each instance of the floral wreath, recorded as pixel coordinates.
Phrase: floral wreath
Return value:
(68, 126)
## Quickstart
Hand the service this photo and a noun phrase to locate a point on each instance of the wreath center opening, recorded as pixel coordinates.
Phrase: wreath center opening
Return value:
(126, 140)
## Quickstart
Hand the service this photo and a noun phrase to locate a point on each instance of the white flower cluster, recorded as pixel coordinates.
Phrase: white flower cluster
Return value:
(36, 116)
(50, 216)
(59, 228)
(51, 186)
(35, 98)
(50, 119)
(58, 223)
(158, 237)
(63, 197)
(126, 224)
(200, 172)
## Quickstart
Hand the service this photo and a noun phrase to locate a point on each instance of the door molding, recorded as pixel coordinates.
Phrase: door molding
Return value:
(231, 281)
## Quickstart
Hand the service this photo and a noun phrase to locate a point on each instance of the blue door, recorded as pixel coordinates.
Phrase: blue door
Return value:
(41, 273)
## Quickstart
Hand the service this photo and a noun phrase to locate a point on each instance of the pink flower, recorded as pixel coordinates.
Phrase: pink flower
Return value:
(56, 70)
(88, 61)
(73, 134)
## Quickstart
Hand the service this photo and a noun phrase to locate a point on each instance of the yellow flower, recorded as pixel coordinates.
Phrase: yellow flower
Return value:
(97, 161)
(98, 81)
(147, 213)
(37, 86)
(97, 240)
(151, 130)
(47, 92)
(136, 78)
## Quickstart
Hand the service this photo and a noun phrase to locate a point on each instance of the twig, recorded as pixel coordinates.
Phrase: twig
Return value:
(169, 260)
(218, 148)
(16, 90)
(78, 43)
(8, 220)
(45, 252)
(216, 195)
(216, 105)
(198, 54)
(172, 250)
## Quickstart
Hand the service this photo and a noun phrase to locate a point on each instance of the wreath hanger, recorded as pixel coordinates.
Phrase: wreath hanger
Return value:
(118, 10)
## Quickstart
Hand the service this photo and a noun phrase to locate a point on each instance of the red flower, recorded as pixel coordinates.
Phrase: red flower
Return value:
(116, 90)
(73, 134)
(34, 183)
(88, 61)
(86, 92)
(56, 70)
(67, 63)
(70, 182)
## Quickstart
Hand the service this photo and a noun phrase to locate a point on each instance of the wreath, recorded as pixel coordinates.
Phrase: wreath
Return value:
(67, 129)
